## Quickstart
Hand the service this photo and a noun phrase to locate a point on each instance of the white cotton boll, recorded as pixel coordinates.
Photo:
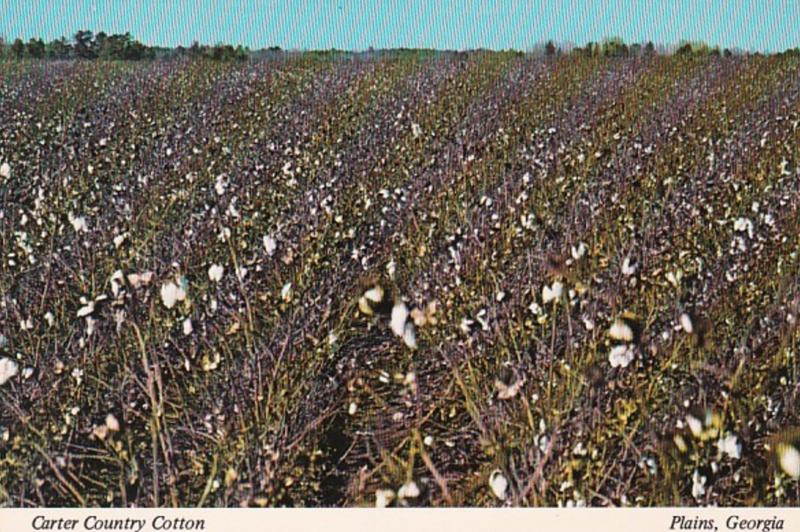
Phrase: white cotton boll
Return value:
(620, 356)
(695, 425)
(409, 490)
(698, 485)
(215, 272)
(374, 294)
(416, 130)
(535, 308)
(270, 245)
(742, 225)
(505, 391)
(579, 252)
(730, 445)
(499, 484)
(169, 294)
(286, 292)
(410, 335)
(5, 170)
(139, 279)
(86, 310)
(398, 319)
(552, 293)
(621, 331)
(116, 282)
(686, 323)
(627, 268)
(788, 458)
(219, 185)
(112, 423)
(8, 369)
(187, 327)
(78, 223)
(383, 498)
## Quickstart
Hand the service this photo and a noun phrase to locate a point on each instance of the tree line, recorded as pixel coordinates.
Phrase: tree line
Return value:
(121, 47)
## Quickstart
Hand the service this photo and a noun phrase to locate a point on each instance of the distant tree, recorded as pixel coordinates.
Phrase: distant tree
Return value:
(550, 48)
(99, 43)
(727, 53)
(35, 48)
(636, 49)
(614, 47)
(18, 48)
(684, 49)
(195, 50)
(83, 44)
(58, 49)
(649, 49)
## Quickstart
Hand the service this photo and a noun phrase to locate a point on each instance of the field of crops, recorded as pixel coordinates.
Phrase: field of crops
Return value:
(473, 280)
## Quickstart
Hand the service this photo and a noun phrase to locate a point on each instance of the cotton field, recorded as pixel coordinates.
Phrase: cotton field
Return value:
(479, 279)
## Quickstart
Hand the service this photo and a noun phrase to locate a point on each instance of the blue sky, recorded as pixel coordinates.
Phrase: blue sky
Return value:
(765, 25)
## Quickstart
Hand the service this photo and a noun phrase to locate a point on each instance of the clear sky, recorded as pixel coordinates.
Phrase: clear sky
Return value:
(765, 25)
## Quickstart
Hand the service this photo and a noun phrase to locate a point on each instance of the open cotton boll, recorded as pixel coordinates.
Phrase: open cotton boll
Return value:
(499, 484)
(270, 245)
(138, 279)
(383, 498)
(5, 170)
(552, 293)
(788, 458)
(698, 485)
(628, 269)
(187, 327)
(215, 272)
(8, 369)
(578, 252)
(620, 356)
(286, 292)
(409, 490)
(620, 331)
(86, 310)
(169, 294)
(505, 391)
(112, 423)
(695, 425)
(686, 323)
(399, 317)
(730, 445)
(374, 294)
(78, 223)
(410, 335)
